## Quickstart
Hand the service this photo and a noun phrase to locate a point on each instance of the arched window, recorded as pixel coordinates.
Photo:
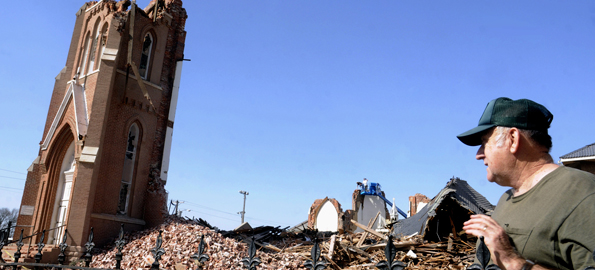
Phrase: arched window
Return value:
(103, 38)
(85, 51)
(93, 51)
(145, 57)
(128, 172)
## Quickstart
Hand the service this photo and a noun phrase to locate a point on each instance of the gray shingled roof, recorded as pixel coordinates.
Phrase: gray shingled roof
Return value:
(587, 151)
(459, 191)
(299, 227)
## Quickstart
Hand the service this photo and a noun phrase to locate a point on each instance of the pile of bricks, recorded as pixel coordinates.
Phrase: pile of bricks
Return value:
(181, 238)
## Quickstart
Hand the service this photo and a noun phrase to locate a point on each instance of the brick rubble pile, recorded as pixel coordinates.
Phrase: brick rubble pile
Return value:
(181, 238)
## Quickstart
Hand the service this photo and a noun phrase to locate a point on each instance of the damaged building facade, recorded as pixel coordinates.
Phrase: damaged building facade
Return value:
(445, 213)
(104, 153)
(327, 215)
(433, 219)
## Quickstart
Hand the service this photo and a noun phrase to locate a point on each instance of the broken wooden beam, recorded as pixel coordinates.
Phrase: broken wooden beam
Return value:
(382, 236)
(365, 235)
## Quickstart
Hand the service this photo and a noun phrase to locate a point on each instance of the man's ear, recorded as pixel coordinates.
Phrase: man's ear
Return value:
(514, 137)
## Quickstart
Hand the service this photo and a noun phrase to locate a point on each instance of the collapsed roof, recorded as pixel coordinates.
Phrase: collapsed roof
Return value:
(445, 213)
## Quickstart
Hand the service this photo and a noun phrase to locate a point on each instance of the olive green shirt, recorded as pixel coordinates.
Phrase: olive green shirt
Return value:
(553, 223)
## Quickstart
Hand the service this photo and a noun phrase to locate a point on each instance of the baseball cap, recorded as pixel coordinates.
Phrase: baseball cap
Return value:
(505, 112)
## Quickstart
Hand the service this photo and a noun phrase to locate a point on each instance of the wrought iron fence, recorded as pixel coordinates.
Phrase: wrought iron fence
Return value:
(251, 262)
(5, 234)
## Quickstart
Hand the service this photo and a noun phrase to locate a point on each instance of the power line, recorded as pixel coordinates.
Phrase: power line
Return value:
(247, 217)
(212, 215)
(12, 188)
(12, 178)
(206, 207)
(12, 171)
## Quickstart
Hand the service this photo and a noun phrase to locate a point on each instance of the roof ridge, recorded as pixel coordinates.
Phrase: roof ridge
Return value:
(586, 151)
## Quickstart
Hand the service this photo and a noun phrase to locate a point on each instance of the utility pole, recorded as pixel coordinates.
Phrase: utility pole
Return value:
(243, 209)
(176, 203)
(176, 209)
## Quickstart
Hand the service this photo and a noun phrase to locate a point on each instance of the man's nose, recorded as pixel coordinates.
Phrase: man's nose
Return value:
(480, 155)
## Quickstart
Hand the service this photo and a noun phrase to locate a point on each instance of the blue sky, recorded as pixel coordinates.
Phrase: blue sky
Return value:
(295, 101)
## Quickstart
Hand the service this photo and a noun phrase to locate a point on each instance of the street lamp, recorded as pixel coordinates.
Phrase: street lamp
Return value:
(180, 212)
(244, 209)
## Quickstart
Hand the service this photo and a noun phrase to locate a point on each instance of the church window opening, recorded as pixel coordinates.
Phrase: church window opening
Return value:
(103, 37)
(85, 55)
(145, 56)
(93, 51)
(128, 172)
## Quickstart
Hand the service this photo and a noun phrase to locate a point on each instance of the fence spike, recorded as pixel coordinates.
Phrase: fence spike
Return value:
(483, 256)
(1, 245)
(390, 251)
(63, 247)
(157, 251)
(17, 255)
(251, 262)
(7, 233)
(315, 254)
(120, 244)
(40, 247)
(199, 257)
(88, 248)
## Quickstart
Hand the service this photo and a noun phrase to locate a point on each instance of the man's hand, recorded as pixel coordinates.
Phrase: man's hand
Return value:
(496, 239)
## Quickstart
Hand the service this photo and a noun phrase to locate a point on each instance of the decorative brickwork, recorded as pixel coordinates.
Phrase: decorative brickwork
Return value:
(110, 98)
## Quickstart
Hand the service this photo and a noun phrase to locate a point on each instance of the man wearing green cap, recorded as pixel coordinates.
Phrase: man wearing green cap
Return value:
(547, 219)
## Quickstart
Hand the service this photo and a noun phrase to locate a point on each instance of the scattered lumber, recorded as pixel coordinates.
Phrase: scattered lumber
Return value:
(370, 224)
(368, 229)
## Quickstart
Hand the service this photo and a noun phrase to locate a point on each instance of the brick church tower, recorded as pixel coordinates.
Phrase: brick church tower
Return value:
(104, 153)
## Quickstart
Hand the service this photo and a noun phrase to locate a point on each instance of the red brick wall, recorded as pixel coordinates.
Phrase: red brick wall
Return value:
(414, 202)
(113, 105)
(316, 207)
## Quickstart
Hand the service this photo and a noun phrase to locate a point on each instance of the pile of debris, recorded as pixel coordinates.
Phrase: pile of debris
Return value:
(279, 249)
(364, 251)
(181, 238)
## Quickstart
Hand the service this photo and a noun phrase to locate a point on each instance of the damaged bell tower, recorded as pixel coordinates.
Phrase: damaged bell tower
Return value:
(104, 153)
